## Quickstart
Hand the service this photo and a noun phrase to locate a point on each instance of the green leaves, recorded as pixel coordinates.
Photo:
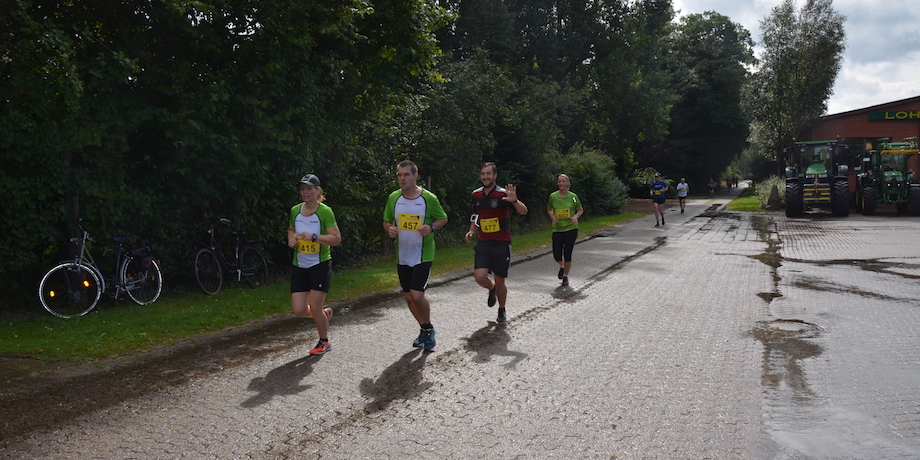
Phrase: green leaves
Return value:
(801, 59)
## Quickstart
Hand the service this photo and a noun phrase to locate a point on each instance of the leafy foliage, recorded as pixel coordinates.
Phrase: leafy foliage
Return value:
(708, 128)
(155, 119)
(801, 59)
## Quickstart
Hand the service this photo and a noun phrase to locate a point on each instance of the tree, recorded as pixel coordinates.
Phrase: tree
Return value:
(629, 92)
(708, 129)
(155, 118)
(801, 59)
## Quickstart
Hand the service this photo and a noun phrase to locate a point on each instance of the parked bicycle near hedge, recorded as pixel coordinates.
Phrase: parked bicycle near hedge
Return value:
(74, 287)
(247, 263)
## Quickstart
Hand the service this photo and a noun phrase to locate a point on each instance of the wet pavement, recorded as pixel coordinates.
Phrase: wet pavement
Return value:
(721, 335)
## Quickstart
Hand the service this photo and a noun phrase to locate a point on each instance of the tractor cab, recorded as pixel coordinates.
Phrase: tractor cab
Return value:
(887, 177)
(816, 177)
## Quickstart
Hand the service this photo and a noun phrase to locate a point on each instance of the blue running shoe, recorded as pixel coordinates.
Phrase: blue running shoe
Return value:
(425, 338)
(430, 342)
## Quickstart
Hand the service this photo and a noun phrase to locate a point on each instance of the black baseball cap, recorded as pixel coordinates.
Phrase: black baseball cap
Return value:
(310, 179)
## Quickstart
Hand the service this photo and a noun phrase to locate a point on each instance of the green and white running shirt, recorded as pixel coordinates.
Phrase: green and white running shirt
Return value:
(310, 253)
(409, 216)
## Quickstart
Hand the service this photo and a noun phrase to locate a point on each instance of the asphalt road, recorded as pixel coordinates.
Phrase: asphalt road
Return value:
(721, 335)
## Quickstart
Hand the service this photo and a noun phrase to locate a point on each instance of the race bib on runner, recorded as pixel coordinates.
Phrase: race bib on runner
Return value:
(411, 222)
(565, 213)
(489, 225)
(307, 247)
(659, 192)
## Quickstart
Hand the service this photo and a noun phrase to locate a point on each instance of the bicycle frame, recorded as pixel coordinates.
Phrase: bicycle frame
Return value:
(238, 245)
(211, 263)
(111, 285)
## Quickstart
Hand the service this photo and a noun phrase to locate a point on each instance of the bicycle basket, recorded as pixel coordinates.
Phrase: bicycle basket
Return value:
(142, 258)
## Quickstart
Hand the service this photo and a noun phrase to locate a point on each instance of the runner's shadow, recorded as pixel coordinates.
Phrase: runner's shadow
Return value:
(567, 294)
(401, 380)
(490, 341)
(284, 380)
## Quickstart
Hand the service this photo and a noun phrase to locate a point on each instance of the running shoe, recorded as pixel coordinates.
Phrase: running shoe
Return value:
(328, 312)
(561, 273)
(491, 300)
(501, 315)
(430, 342)
(321, 348)
(565, 280)
(426, 338)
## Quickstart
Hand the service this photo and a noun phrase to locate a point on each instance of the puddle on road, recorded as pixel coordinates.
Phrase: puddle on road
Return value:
(786, 344)
(903, 269)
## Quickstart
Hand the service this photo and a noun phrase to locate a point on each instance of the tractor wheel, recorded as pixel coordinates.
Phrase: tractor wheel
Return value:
(794, 202)
(840, 200)
(868, 201)
(913, 196)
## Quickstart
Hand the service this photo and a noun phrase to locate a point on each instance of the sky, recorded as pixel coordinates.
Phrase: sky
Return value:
(881, 62)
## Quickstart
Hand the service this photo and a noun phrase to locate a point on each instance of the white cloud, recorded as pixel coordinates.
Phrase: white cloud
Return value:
(882, 58)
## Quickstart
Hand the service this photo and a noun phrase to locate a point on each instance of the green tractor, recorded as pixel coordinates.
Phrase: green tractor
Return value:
(888, 179)
(816, 177)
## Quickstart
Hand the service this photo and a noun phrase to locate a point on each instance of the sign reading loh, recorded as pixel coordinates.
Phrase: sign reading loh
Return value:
(899, 115)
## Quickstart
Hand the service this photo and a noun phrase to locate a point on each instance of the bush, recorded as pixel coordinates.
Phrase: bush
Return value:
(593, 180)
(641, 180)
(763, 188)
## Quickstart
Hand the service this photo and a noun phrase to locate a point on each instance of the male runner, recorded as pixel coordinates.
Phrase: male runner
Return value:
(491, 205)
(413, 214)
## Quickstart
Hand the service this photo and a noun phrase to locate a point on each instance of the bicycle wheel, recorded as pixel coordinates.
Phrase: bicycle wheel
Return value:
(70, 290)
(143, 285)
(253, 267)
(208, 273)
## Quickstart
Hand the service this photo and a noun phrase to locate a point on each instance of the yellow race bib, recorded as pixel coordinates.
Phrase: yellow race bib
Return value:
(565, 213)
(307, 247)
(489, 225)
(411, 222)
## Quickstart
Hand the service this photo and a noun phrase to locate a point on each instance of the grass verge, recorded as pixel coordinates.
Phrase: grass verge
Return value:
(120, 328)
(748, 201)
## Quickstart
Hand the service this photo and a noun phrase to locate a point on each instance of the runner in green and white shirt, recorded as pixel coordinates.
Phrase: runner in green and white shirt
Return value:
(311, 231)
(411, 215)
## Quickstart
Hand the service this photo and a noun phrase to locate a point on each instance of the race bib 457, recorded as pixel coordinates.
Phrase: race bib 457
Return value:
(411, 222)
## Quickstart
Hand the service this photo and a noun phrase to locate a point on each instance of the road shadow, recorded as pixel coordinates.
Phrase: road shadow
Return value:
(567, 294)
(402, 380)
(281, 381)
(491, 341)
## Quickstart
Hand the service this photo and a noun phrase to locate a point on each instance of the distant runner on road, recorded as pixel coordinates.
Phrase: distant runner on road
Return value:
(683, 189)
(657, 192)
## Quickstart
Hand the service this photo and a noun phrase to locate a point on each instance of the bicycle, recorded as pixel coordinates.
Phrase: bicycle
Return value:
(248, 263)
(73, 288)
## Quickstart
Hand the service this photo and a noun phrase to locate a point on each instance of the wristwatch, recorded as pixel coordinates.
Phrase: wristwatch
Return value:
(313, 237)
(433, 228)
